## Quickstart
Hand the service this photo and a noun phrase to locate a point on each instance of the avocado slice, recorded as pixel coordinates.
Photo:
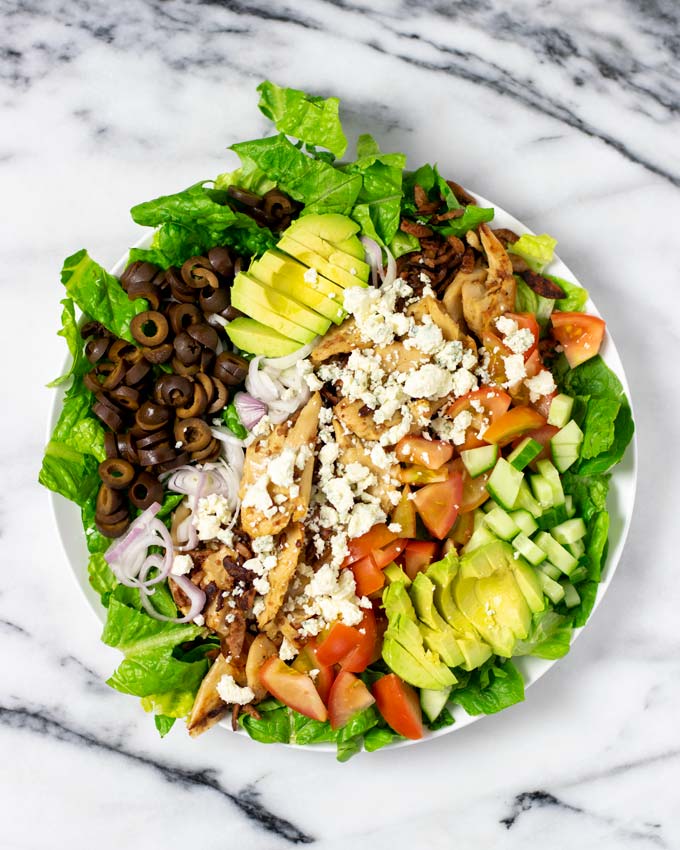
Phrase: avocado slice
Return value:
(528, 583)
(393, 573)
(289, 279)
(397, 601)
(260, 311)
(274, 261)
(482, 616)
(336, 255)
(333, 227)
(310, 258)
(247, 290)
(444, 643)
(256, 338)
(404, 653)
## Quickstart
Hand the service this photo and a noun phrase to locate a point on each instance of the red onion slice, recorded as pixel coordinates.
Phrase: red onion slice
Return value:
(250, 409)
(196, 598)
(287, 360)
(374, 255)
(260, 383)
(391, 271)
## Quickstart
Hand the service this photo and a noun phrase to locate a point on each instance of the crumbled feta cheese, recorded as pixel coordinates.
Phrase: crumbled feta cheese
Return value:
(426, 338)
(463, 382)
(281, 468)
(311, 275)
(199, 620)
(339, 494)
(287, 651)
(181, 565)
(363, 517)
(232, 694)
(212, 516)
(429, 381)
(506, 325)
(514, 369)
(460, 425)
(541, 384)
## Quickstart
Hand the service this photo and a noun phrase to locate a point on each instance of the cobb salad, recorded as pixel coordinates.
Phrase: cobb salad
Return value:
(340, 445)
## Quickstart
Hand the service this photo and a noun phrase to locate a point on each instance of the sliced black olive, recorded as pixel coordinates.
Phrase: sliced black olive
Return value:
(187, 349)
(180, 291)
(158, 353)
(220, 260)
(108, 501)
(152, 416)
(194, 434)
(149, 328)
(214, 300)
(220, 398)
(108, 413)
(197, 406)
(145, 289)
(112, 530)
(249, 199)
(203, 333)
(145, 491)
(126, 397)
(96, 348)
(174, 390)
(116, 472)
(183, 315)
(156, 454)
(230, 368)
(210, 452)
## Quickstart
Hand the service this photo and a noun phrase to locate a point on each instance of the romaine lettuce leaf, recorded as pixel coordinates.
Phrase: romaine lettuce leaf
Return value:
(538, 251)
(100, 295)
(588, 491)
(101, 577)
(378, 737)
(549, 637)
(316, 184)
(314, 120)
(163, 724)
(576, 296)
(247, 176)
(378, 207)
(471, 218)
(71, 333)
(493, 687)
(150, 667)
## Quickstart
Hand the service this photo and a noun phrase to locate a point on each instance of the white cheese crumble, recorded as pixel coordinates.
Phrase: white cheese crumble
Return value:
(330, 595)
(287, 651)
(310, 276)
(429, 381)
(541, 384)
(233, 694)
(212, 517)
(514, 369)
(181, 565)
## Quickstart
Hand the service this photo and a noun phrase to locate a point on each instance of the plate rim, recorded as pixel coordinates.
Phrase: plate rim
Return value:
(628, 466)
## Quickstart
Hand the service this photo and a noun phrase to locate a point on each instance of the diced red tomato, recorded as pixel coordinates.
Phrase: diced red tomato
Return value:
(474, 489)
(376, 538)
(347, 698)
(579, 334)
(418, 556)
(338, 642)
(542, 435)
(438, 504)
(542, 404)
(399, 704)
(528, 321)
(428, 453)
(462, 529)
(497, 350)
(534, 364)
(494, 403)
(296, 690)
(518, 420)
(308, 660)
(405, 514)
(414, 474)
(385, 556)
(368, 650)
(367, 575)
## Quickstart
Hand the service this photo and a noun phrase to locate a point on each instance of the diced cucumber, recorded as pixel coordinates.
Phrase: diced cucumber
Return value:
(489, 505)
(560, 410)
(569, 505)
(502, 524)
(552, 517)
(524, 521)
(479, 516)
(552, 476)
(553, 590)
(528, 549)
(504, 484)
(432, 702)
(579, 574)
(569, 531)
(479, 460)
(542, 490)
(566, 445)
(550, 570)
(556, 553)
(526, 501)
(571, 597)
(480, 537)
(525, 452)
(577, 548)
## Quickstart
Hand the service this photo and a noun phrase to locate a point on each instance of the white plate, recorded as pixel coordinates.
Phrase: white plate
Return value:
(619, 503)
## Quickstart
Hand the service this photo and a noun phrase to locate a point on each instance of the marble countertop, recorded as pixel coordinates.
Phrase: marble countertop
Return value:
(566, 114)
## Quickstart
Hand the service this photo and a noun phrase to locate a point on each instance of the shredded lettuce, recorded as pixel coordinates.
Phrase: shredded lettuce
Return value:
(538, 251)
(313, 120)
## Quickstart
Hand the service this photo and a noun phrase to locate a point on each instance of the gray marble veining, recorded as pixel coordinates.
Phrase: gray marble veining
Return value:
(566, 114)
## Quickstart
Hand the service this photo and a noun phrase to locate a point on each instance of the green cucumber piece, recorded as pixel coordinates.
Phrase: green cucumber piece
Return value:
(524, 521)
(433, 702)
(480, 537)
(550, 570)
(526, 501)
(528, 549)
(565, 446)
(577, 548)
(525, 452)
(556, 553)
(569, 531)
(502, 524)
(542, 490)
(504, 484)
(560, 410)
(579, 574)
(553, 590)
(480, 460)
(571, 597)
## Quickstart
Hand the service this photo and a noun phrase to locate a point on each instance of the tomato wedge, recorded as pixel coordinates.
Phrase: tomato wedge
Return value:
(493, 402)
(367, 575)
(474, 489)
(383, 557)
(376, 538)
(516, 421)
(579, 334)
(405, 514)
(368, 649)
(438, 504)
(399, 705)
(296, 690)
(528, 321)
(415, 474)
(428, 453)
(338, 642)
(496, 351)
(306, 661)
(347, 698)
(418, 556)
